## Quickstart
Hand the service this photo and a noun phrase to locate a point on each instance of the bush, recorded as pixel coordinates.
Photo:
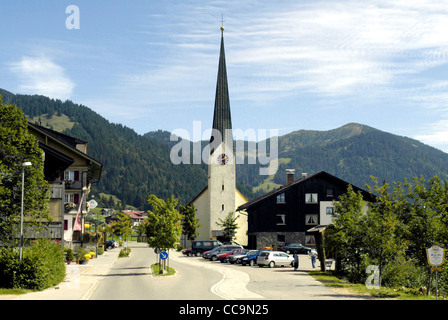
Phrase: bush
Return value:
(124, 252)
(69, 254)
(42, 266)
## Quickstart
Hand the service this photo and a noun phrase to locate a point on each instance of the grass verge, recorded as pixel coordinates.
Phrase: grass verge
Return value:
(331, 281)
(4, 291)
(156, 270)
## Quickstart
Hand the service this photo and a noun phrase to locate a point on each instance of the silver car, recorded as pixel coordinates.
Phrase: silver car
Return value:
(274, 258)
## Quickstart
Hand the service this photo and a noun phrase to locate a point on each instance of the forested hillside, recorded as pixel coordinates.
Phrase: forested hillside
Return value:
(133, 166)
(136, 166)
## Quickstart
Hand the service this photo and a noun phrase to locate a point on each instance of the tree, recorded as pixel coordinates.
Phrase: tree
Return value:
(384, 230)
(121, 227)
(345, 238)
(163, 224)
(230, 226)
(189, 221)
(18, 146)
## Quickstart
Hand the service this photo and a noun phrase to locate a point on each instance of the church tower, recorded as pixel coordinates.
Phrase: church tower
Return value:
(221, 167)
(220, 197)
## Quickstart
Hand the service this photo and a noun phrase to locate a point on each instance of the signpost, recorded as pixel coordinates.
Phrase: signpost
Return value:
(163, 256)
(436, 257)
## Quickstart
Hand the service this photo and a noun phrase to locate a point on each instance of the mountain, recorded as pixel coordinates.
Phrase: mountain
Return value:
(133, 166)
(354, 152)
(136, 166)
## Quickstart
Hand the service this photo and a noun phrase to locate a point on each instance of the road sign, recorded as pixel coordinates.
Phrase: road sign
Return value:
(92, 203)
(163, 255)
(436, 256)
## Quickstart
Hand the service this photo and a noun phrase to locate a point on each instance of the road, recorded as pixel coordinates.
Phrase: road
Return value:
(132, 279)
(199, 279)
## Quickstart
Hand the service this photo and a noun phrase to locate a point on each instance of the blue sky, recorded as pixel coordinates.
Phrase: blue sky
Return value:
(291, 64)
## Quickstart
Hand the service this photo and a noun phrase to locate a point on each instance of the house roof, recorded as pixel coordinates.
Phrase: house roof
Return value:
(70, 143)
(135, 214)
(282, 189)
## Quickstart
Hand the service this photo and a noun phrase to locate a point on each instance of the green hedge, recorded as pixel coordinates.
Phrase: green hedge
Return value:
(42, 266)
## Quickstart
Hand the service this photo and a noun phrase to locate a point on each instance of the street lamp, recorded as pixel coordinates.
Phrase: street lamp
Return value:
(25, 164)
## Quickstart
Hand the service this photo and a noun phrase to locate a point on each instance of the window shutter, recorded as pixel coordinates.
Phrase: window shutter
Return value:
(76, 178)
(76, 198)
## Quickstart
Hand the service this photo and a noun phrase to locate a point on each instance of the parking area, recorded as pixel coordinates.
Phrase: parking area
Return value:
(253, 282)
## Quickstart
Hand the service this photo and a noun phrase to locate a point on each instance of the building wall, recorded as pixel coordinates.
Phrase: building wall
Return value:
(203, 214)
(275, 220)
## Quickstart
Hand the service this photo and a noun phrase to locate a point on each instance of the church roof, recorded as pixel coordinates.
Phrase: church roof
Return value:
(222, 118)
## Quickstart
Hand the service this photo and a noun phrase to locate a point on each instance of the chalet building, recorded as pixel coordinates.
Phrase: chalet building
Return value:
(70, 171)
(136, 216)
(291, 213)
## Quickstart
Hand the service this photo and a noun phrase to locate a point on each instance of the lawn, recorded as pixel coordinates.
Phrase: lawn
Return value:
(331, 281)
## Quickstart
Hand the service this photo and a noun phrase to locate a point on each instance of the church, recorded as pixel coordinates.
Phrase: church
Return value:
(220, 197)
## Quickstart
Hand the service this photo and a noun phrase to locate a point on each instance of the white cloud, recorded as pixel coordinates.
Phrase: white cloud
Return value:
(40, 75)
(436, 135)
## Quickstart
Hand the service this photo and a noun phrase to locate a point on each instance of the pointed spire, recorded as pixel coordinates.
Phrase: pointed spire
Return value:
(222, 119)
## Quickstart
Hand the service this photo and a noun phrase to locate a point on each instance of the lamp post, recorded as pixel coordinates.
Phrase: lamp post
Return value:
(24, 164)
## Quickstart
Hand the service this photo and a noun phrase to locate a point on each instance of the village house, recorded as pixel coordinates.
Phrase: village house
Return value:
(292, 213)
(70, 171)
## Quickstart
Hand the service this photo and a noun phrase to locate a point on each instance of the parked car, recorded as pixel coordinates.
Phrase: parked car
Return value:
(213, 254)
(236, 258)
(274, 258)
(224, 257)
(187, 252)
(110, 244)
(294, 248)
(250, 259)
(198, 247)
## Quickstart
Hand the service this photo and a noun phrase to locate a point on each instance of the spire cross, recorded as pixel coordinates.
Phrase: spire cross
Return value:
(222, 23)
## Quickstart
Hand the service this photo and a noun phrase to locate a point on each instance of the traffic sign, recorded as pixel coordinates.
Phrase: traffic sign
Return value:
(163, 255)
(435, 255)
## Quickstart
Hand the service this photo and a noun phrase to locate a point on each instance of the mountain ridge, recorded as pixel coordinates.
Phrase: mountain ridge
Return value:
(136, 166)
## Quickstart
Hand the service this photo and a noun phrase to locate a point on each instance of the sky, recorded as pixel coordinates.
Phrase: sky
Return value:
(291, 65)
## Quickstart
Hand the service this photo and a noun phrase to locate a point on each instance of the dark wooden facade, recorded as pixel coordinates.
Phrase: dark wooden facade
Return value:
(284, 215)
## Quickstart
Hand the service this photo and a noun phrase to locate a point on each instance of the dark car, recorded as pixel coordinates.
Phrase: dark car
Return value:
(250, 259)
(294, 248)
(110, 244)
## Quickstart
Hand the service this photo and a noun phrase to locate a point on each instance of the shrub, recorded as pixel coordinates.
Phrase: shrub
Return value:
(124, 252)
(69, 254)
(42, 266)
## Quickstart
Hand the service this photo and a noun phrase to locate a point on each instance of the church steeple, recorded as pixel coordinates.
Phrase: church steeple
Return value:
(222, 120)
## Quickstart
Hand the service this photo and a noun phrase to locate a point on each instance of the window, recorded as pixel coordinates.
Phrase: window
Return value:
(71, 175)
(311, 219)
(281, 219)
(330, 211)
(310, 197)
(329, 192)
(71, 197)
(222, 208)
(281, 198)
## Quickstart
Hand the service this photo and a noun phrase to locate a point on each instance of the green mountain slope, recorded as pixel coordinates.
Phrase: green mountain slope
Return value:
(354, 152)
(136, 166)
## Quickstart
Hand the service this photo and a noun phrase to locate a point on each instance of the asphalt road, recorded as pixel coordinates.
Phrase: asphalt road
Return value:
(132, 279)
(199, 279)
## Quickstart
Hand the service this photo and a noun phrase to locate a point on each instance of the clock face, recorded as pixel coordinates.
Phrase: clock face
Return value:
(223, 159)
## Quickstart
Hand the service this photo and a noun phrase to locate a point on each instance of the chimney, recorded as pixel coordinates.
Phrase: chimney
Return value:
(289, 176)
(304, 175)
